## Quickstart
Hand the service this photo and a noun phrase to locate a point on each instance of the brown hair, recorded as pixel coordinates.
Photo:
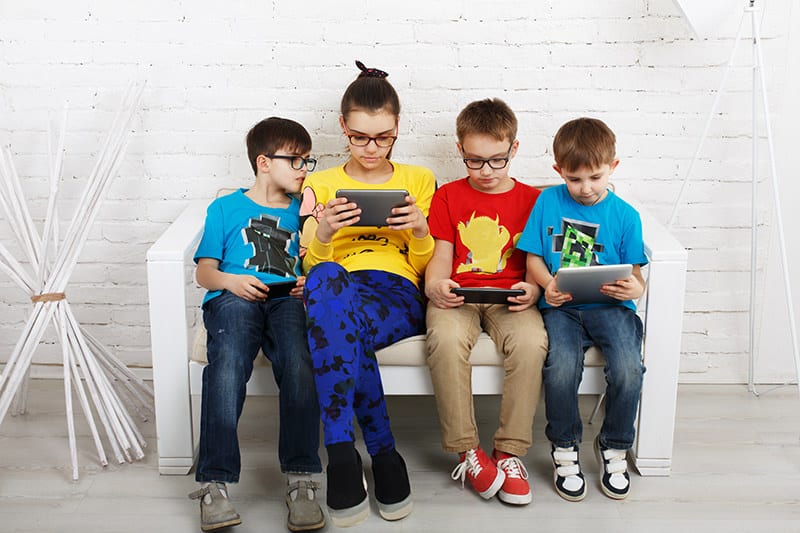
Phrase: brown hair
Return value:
(273, 134)
(490, 117)
(370, 91)
(584, 143)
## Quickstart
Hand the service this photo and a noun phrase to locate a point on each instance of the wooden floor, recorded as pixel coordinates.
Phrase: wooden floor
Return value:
(736, 468)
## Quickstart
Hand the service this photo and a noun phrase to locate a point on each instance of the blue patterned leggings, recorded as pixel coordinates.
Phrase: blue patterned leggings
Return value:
(350, 316)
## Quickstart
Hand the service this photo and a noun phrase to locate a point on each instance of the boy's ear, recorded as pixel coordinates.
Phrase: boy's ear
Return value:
(342, 124)
(262, 163)
(558, 170)
(514, 148)
(613, 166)
(460, 149)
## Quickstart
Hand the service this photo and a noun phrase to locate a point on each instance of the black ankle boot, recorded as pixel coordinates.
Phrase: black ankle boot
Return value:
(347, 495)
(392, 487)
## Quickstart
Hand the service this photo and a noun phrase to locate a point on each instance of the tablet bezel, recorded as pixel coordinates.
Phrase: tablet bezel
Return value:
(583, 283)
(376, 204)
(280, 289)
(486, 295)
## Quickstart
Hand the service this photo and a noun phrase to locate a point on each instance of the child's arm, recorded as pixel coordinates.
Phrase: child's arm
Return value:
(626, 289)
(437, 277)
(539, 273)
(212, 278)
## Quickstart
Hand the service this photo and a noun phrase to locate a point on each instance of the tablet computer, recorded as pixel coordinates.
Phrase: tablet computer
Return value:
(376, 204)
(583, 283)
(280, 289)
(486, 295)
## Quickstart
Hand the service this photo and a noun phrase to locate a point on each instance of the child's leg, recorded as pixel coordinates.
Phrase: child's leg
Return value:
(348, 320)
(451, 335)
(617, 331)
(235, 328)
(562, 374)
(286, 347)
(522, 338)
(391, 308)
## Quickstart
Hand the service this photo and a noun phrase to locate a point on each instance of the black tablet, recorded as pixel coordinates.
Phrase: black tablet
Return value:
(486, 295)
(376, 204)
(281, 289)
(583, 283)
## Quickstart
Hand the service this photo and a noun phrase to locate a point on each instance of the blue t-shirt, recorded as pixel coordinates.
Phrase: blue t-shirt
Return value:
(247, 238)
(565, 233)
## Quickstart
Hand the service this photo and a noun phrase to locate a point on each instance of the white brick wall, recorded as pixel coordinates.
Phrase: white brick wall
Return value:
(215, 69)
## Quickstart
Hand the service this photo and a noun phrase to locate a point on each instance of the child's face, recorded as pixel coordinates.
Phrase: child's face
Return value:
(588, 186)
(281, 169)
(487, 152)
(375, 128)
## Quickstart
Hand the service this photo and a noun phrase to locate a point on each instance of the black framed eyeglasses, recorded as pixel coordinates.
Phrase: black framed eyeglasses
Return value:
(297, 162)
(496, 163)
(381, 141)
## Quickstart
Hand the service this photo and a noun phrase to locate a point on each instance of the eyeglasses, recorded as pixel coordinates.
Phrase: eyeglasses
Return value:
(381, 141)
(297, 162)
(496, 163)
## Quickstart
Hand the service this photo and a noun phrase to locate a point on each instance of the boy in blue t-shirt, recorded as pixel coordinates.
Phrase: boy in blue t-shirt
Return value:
(583, 223)
(250, 243)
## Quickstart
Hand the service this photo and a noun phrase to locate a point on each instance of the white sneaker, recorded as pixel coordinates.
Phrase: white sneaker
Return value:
(615, 481)
(567, 475)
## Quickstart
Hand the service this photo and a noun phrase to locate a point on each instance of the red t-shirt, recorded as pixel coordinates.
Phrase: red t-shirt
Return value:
(484, 229)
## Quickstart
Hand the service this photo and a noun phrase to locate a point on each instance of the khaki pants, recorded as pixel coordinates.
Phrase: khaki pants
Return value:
(521, 337)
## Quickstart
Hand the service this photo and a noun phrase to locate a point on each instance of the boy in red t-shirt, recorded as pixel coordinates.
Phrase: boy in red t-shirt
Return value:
(476, 222)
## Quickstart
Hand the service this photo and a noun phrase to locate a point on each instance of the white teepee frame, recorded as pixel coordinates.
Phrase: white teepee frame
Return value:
(50, 263)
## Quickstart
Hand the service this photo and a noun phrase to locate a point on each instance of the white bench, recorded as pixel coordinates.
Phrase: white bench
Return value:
(174, 301)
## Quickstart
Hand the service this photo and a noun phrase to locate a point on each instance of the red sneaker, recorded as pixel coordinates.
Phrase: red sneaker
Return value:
(515, 489)
(482, 473)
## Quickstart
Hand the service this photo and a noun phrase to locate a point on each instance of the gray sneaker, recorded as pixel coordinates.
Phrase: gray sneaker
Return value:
(305, 513)
(216, 511)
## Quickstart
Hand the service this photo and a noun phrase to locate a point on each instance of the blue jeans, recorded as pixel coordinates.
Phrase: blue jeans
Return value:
(617, 331)
(350, 315)
(236, 330)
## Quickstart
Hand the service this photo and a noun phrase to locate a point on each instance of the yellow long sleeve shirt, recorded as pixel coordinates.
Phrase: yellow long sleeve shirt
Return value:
(368, 248)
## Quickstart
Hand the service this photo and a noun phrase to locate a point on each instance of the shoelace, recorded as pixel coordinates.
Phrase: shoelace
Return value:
(513, 468)
(470, 463)
(566, 460)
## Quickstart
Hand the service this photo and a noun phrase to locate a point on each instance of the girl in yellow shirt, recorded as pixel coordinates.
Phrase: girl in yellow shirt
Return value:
(362, 293)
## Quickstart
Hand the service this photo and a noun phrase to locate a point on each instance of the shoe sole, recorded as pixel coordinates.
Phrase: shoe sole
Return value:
(351, 516)
(306, 527)
(515, 499)
(611, 494)
(396, 511)
(220, 525)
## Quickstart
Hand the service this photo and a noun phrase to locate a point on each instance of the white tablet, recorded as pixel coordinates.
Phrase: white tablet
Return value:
(583, 283)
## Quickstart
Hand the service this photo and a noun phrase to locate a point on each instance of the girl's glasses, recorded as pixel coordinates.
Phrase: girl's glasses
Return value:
(381, 141)
(297, 162)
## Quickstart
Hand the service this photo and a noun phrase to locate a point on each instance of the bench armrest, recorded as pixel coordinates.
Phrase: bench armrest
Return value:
(169, 280)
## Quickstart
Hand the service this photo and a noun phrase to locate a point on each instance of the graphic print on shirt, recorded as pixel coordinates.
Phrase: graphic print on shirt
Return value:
(485, 238)
(270, 247)
(577, 242)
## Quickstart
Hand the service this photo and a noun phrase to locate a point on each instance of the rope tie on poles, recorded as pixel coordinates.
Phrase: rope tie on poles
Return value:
(48, 297)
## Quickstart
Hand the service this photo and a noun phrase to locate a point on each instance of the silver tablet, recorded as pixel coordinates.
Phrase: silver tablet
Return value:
(376, 204)
(583, 283)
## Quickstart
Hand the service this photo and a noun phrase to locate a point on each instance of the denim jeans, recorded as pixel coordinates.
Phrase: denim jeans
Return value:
(617, 332)
(350, 316)
(236, 330)
(521, 337)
